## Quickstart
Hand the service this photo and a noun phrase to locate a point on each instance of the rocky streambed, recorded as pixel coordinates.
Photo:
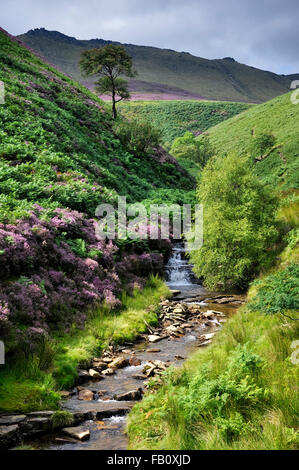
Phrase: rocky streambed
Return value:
(109, 388)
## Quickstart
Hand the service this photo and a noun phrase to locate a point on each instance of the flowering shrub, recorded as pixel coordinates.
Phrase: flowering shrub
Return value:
(54, 270)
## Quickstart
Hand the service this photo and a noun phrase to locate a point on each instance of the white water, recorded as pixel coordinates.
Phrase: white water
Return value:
(178, 269)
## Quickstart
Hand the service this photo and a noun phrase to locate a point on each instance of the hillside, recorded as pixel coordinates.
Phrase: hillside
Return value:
(167, 73)
(58, 147)
(174, 118)
(277, 161)
(60, 159)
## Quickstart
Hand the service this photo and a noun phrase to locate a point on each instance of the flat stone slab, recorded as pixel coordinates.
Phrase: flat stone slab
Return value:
(154, 338)
(132, 395)
(40, 414)
(175, 291)
(80, 433)
(12, 419)
(99, 410)
(7, 431)
(9, 436)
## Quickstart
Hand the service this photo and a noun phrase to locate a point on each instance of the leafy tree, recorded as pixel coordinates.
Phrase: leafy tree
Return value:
(239, 223)
(140, 137)
(110, 63)
(190, 148)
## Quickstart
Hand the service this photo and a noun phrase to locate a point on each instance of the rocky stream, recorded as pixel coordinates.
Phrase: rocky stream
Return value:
(106, 392)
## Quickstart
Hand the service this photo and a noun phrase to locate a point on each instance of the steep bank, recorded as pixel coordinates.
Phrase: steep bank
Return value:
(59, 159)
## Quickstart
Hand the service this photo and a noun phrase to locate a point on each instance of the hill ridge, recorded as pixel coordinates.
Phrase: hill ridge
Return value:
(219, 79)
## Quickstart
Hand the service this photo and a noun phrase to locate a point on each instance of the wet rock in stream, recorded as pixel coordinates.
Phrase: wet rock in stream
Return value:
(108, 371)
(80, 433)
(154, 338)
(94, 374)
(85, 395)
(119, 362)
(133, 395)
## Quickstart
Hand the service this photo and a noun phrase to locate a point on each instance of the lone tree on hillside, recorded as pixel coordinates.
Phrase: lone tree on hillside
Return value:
(110, 63)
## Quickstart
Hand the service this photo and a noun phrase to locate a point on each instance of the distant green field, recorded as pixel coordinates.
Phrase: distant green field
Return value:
(279, 117)
(174, 118)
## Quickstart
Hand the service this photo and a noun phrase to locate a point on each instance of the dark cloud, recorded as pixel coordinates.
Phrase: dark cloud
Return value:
(262, 33)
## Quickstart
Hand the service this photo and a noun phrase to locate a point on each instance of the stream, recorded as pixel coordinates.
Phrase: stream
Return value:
(107, 430)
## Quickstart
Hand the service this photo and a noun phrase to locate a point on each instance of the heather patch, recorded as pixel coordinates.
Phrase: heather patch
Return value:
(54, 270)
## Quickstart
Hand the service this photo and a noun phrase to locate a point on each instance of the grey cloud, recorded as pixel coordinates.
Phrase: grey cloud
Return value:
(262, 33)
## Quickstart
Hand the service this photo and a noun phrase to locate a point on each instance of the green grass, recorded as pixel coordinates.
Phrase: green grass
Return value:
(279, 117)
(209, 404)
(32, 382)
(174, 118)
(222, 79)
(61, 419)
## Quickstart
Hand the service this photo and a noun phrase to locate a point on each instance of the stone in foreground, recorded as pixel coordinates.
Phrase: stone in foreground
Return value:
(80, 433)
(12, 419)
(134, 361)
(154, 338)
(108, 372)
(95, 374)
(85, 395)
(133, 395)
(8, 435)
(118, 363)
(175, 292)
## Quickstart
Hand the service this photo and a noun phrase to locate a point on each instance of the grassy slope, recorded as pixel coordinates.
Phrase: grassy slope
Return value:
(57, 145)
(174, 118)
(213, 79)
(278, 116)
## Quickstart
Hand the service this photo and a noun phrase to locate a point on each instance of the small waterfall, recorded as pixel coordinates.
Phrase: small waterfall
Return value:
(178, 271)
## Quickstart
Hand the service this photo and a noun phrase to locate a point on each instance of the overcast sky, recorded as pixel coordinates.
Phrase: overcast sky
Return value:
(262, 33)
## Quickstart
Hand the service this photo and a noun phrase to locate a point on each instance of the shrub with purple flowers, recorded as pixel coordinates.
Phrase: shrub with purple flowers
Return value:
(54, 269)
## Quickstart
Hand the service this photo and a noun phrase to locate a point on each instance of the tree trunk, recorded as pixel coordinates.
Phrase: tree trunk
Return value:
(114, 112)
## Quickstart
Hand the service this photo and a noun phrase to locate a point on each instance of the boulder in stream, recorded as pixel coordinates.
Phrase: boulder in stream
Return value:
(80, 433)
(154, 338)
(94, 374)
(85, 395)
(108, 371)
(154, 367)
(83, 376)
(119, 363)
(132, 395)
(134, 361)
(98, 364)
